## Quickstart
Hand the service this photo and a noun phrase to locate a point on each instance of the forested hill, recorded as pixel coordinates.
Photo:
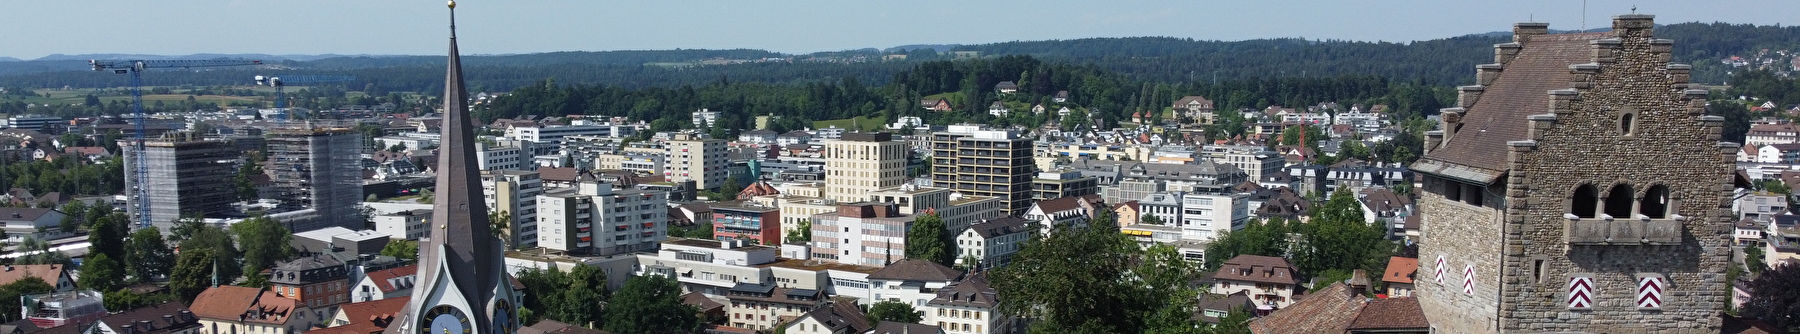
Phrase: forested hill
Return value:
(1441, 62)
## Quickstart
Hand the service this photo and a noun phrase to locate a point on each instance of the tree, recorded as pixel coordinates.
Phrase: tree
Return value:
(195, 270)
(802, 233)
(30, 285)
(102, 273)
(1775, 300)
(1075, 280)
(107, 235)
(1150, 219)
(1337, 238)
(219, 249)
(185, 227)
(1162, 268)
(893, 311)
(1268, 238)
(499, 221)
(38, 252)
(573, 297)
(403, 249)
(650, 304)
(73, 215)
(147, 256)
(264, 242)
(1753, 259)
(929, 240)
(125, 299)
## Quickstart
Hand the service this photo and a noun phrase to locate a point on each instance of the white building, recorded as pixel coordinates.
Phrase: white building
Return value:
(912, 281)
(385, 283)
(593, 218)
(693, 157)
(711, 267)
(1205, 217)
(403, 225)
(705, 118)
(505, 154)
(1048, 214)
(992, 242)
(968, 306)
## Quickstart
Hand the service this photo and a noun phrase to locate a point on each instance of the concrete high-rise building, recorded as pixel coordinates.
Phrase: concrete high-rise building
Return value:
(505, 154)
(692, 157)
(862, 162)
(513, 193)
(993, 163)
(318, 169)
(184, 177)
(593, 218)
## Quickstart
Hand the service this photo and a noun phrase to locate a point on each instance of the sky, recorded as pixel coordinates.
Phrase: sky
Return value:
(33, 29)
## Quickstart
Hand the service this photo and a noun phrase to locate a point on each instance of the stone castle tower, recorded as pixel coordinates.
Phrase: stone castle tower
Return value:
(1578, 187)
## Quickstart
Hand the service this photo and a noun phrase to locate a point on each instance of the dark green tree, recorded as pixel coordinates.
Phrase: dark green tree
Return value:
(124, 299)
(1753, 259)
(30, 285)
(403, 249)
(1268, 238)
(1075, 280)
(223, 249)
(107, 234)
(929, 240)
(74, 214)
(802, 233)
(1776, 301)
(650, 304)
(147, 255)
(1337, 238)
(198, 269)
(102, 273)
(264, 242)
(893, 311)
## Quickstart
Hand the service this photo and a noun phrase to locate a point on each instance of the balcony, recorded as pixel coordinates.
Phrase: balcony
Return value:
(1607, 231)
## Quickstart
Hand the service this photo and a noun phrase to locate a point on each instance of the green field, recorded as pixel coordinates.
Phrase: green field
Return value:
(866, 123)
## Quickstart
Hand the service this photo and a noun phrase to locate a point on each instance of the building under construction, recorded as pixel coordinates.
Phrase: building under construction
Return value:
(185, 175)
(318, 177)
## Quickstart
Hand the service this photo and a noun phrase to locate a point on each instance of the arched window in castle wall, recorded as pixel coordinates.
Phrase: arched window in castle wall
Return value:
(1585, 203)
(1655, 203)
(1618, 202)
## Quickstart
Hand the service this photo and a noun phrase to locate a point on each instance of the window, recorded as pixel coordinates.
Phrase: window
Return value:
(1618, 202)
(1586, 201)
(1625, 123)
(1655, 203)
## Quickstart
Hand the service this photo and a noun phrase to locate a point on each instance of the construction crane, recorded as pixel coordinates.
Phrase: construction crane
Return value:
(141, 173)
(281, 82)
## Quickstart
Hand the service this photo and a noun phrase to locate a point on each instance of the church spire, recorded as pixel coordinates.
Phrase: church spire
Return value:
(461, 268)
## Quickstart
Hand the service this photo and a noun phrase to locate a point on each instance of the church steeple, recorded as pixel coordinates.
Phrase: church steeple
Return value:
(463, 286)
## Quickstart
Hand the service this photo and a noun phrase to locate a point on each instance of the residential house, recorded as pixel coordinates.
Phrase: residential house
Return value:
(792, 138)
(1197, 108)
(387, 283)
(765, 306)
(834, 318)
(911, 281)
(35, 223)
(1781, 241)
(1128, 212)
(1760, 205)
(992, 242)
(164, 318)
(1766, 134)
(1165, 207)
(1747, 232)
(315, 281)
(935, 104)
(1214, 307)
(1271, 281)
(1046, 215)
(969, 306)
(758, 136)
(1006, 87)
(367, 317)
(1399, 276)
(998, 109)
(56, 275)
(235, 309)
(1339, 309)
(1062, 96)
(1385, 208)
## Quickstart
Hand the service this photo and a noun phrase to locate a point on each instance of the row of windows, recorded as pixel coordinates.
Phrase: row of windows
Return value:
(1619, 202)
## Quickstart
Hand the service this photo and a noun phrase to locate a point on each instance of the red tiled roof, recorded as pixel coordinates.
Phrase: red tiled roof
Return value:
(382, 278)
(1400, 270)
(236, 303)
(1257, 268)
(1329, 311)
(1500, 115)
(1052, 206)
(1391, 314)
(366, 317)
(563, 174)
(50, 273)
(916, 270)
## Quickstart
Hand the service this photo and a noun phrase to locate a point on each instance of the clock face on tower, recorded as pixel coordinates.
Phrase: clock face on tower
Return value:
(503, 317)
(444, 319)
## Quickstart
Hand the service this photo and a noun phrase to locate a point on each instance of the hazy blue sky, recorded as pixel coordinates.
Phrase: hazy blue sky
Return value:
(32, 29)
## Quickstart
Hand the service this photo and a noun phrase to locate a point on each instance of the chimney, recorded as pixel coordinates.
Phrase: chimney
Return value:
(1523, 31)
(169, 319)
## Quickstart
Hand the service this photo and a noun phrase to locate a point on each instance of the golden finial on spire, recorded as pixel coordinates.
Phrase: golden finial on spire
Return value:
(452, 4)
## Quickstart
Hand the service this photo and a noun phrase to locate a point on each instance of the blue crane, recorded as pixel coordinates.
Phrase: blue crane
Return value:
(141, 173)
(282, 81)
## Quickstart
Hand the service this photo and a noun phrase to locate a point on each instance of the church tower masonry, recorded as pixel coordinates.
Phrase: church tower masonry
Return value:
(1579, 186)
(463, 287)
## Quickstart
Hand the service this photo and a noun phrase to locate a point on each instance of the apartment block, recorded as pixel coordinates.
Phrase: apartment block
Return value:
(513, 193)
(759, 224)
(994, 163)
(861, 162)
(184, 176)
(595, 219)
(693, 157)
(869, 234)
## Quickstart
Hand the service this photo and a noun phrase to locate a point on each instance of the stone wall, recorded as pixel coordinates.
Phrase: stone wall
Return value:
(1464, 235)
(1668, 143)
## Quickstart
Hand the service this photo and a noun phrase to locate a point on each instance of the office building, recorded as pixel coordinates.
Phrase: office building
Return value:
(861, 162)
(756, 223)
(993, 163)
(869, 234)
(183, 177)
(318, 169)
(593, 218)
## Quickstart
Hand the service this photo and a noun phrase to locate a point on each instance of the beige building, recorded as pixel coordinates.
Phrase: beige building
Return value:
(957, 211)
(236, 309)
(692, 157)
(862, 162)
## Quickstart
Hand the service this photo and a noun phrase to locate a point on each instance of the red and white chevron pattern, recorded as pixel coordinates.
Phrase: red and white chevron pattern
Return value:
(1581, 292)
(1437, 274)
(1469, 279)
(1649, 292)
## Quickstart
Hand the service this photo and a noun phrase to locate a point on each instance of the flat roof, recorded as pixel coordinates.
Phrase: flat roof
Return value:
(818, 266)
